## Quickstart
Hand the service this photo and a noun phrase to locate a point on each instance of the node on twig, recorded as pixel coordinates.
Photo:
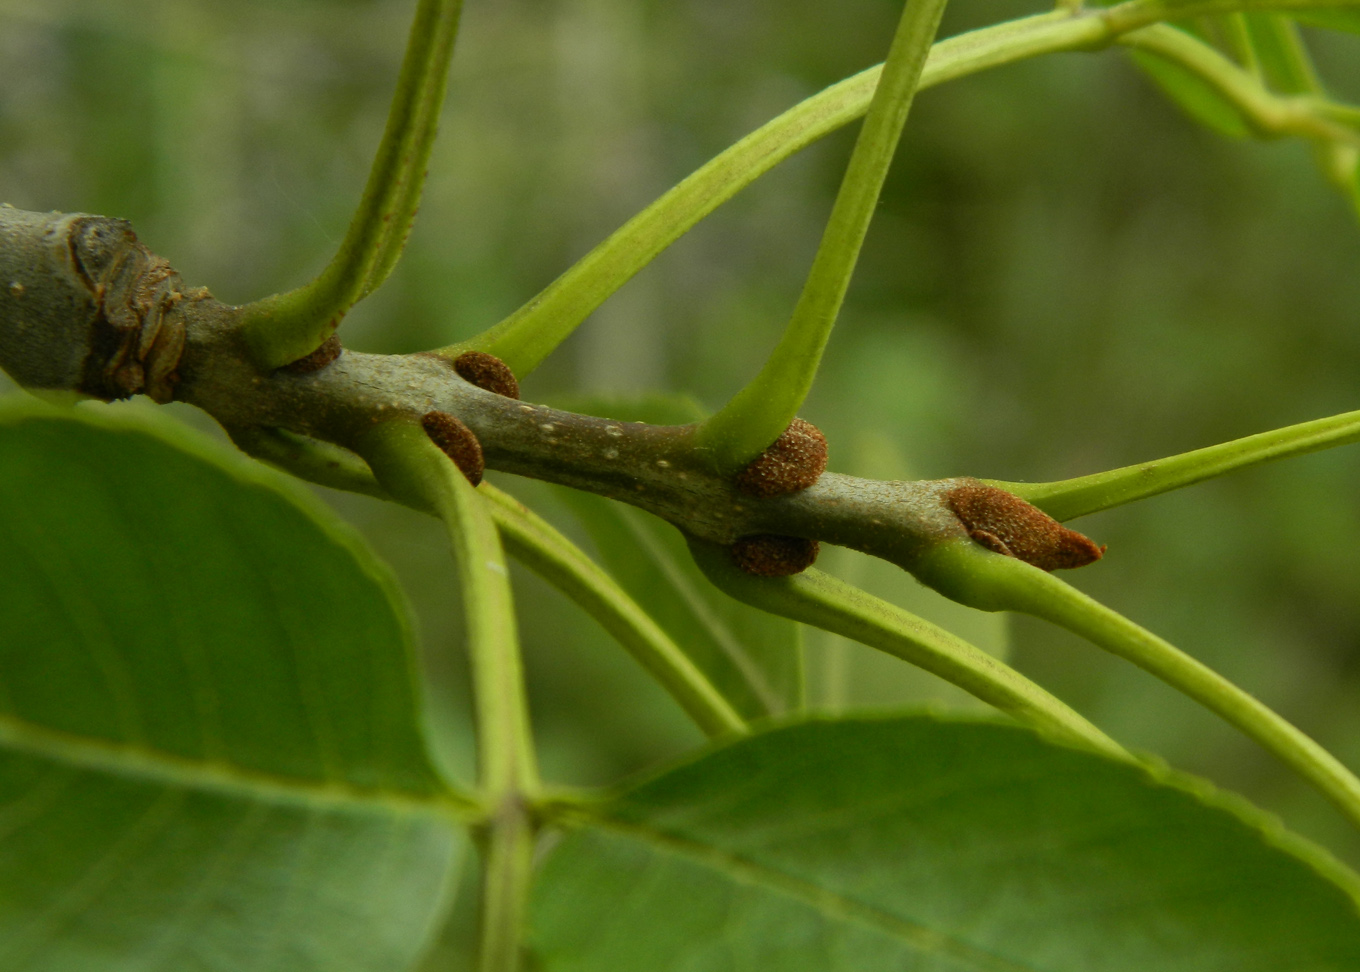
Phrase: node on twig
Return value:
(793, 461)
(1004, 523)
(771, 555)
(457, 442)
(86, 307)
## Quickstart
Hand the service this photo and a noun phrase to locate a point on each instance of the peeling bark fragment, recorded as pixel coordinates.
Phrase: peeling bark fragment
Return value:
(488, 372)
(771, 555)
(794, 461)
(457, 442)
(330, 350)
(1006, 524)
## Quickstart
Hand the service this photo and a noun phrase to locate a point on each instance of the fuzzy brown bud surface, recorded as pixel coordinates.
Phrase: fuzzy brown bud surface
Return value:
(1004, 523)
(330, 350)
(771, 555)
(488, 372)
(457, 442)
(794, 461)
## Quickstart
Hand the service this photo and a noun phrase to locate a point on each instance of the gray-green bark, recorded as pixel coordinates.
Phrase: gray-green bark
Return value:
(86, 308)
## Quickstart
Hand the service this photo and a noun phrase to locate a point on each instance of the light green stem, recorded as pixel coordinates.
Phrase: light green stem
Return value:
(818, 599)
(757, 414)
(540, 547)
(1348, 115)
(1071, 498)
(1268, 114)
(979, 578)
(1279, 49)
(415, 471)
(289, 326)
(1239, 42)
(525, 338)
(557, 560)
(507, 875)
(310, 459)
(531, 333)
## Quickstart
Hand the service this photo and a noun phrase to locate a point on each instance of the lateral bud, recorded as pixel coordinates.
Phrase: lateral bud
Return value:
(793, 462)
(1004, 523)
(330, 349)
(488, 372)
(457, 441)
(772, 555)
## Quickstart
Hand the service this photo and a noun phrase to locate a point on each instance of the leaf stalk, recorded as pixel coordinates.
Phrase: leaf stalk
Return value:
(979, 578)
(757, 414)
(289, 326)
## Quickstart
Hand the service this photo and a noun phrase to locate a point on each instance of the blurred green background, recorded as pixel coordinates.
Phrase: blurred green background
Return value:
(1065, 275)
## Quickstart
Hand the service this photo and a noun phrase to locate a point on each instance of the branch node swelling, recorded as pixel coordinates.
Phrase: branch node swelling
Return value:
(85, 307)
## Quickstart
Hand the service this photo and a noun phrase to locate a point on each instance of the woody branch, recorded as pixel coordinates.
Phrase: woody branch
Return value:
(85, 308)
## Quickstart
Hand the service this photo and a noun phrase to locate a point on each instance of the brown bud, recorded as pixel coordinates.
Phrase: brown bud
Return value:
(771, 555)
(330, 350)
(794, 461)
(1006, 524)
(457, 442)
(488, 372)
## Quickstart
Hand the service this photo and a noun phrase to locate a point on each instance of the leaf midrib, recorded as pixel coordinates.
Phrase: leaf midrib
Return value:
(146, 764)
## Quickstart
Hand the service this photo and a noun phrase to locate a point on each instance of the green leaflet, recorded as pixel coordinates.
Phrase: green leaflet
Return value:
(210, 731)
(754, 659)
(937, 846)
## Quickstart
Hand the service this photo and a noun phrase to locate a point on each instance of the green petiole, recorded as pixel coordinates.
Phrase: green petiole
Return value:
(285, 327)
(1071, 498)
(966, 572)
(525, 338)
(818, 599)
(757, 414)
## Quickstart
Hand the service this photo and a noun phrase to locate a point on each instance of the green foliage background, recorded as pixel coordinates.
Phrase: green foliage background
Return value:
(1065, 275)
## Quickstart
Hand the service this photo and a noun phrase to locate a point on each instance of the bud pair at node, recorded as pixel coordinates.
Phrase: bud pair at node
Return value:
(453, 437)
